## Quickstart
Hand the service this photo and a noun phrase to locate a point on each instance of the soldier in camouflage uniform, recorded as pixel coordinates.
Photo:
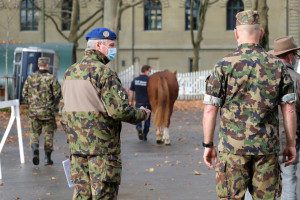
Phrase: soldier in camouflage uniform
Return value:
(94, 104)
(42, 93)
(248, 85)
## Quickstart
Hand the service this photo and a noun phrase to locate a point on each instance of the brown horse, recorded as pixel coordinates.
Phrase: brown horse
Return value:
(162, 92)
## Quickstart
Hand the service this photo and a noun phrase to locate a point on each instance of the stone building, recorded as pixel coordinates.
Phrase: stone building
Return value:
(155, 32)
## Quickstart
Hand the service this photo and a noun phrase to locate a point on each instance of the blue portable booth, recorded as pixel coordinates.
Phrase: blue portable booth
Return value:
(26, 62)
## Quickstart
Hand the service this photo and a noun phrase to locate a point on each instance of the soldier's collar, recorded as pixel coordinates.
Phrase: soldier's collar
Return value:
(249, 45)
(42, 71)
(96, 55)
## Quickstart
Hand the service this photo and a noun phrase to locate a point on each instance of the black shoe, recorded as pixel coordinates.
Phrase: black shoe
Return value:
(145, 137)
(48, 160)
(140, 134)
(159, 142)
(35, 150)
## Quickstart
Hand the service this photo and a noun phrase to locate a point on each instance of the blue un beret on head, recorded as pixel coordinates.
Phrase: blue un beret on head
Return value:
(101, 33)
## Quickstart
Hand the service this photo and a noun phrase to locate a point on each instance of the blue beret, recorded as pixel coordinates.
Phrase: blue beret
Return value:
(101, 33)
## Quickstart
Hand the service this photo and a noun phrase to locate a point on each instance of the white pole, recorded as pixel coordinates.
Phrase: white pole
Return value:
(17, 116)
(0, 172)
(11, 120)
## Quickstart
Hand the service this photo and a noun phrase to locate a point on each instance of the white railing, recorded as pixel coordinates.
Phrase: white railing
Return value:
(191, 85)
(15, 115)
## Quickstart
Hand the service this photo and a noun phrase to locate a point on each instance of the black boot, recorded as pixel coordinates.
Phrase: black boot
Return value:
(35, 150)
(145, 136)
(140, 134)
(48, 160)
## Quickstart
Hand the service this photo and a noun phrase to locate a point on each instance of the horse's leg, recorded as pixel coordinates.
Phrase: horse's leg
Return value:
(166, 136)
(159, 138)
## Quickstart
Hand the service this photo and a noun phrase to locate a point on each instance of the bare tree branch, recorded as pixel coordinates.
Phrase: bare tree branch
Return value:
(56, 26)
(128, 5)
(91, 17)
(52, 19)
(192, 23)
(87, 28)
(213, 2)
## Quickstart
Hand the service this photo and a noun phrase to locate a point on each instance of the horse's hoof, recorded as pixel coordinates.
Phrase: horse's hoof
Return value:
(168, 144)
(159, 142)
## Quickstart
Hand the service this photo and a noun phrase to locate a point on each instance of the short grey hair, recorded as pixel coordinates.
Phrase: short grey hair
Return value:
(91, 44)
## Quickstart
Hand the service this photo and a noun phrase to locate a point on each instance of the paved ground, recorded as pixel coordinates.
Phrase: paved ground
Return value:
(150, 171)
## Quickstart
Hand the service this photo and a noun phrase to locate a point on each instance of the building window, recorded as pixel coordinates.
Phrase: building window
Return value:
(66, 14)
(195, 14)
(233, 7)
(123, 63)
(28, 16)
(153, 15)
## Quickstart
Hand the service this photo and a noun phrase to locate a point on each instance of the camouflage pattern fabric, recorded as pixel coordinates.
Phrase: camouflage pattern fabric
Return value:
(247, 17)
(235, 173)
(248, 85)
(42, 92)
(95, 177)
(95, 133)
(46, 126)
(94, 136)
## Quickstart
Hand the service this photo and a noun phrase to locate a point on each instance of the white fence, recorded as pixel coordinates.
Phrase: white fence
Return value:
(191, 85)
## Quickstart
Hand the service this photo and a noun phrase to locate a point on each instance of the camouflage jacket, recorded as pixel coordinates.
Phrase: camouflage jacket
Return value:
(42, 93)
(248, 85)
(94, 104)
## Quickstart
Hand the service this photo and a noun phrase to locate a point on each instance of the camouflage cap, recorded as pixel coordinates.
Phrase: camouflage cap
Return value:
(42, 62)
(247, 17)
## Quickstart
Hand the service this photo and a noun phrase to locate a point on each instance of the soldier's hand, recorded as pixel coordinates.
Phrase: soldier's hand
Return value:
(289, 155)
(148, 112)
(210, 157)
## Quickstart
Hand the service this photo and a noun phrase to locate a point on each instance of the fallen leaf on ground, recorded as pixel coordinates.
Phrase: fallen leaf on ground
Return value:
(151, 169)
(196, 172)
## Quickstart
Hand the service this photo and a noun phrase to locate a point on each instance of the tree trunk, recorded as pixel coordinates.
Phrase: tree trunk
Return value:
(197, 41)
(110, 13)
(109, 21)
(73, 37)
(263, 9)
(195, 64)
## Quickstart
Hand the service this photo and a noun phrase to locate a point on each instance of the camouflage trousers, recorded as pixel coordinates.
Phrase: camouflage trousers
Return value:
(47, 127)
(95, 177)
(260, 174)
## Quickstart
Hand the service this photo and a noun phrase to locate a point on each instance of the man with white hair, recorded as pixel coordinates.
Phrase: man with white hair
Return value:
(248, 85)
(94, 105)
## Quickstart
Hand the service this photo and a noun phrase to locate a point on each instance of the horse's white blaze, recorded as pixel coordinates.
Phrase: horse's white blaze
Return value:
(166, 136)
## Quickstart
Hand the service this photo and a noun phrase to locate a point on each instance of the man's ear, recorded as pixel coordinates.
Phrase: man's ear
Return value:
(261, 33)
(236, 35)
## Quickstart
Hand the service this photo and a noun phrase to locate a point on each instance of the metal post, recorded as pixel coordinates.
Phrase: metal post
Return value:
(17, 117)
(6, 65)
